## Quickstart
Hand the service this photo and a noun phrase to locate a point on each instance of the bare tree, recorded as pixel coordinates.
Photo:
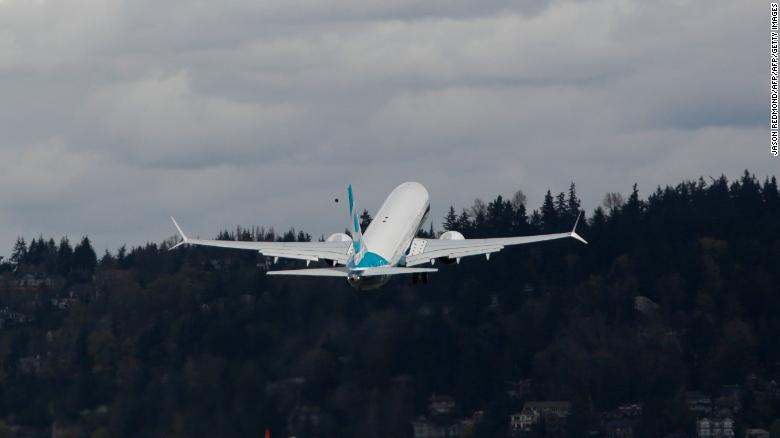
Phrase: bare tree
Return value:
(613, 201)
(478, 208)
(518, 199)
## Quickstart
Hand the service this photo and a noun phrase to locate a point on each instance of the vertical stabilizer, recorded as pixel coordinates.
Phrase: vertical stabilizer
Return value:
(357, 234)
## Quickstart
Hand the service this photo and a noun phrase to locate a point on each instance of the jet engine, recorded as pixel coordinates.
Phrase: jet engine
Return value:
(450, 235)
(339, 237)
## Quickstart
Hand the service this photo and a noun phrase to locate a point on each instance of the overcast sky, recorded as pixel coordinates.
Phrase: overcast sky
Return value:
(117, 114)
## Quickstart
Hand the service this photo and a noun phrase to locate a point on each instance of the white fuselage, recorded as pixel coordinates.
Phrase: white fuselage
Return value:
(397, 222)
(394, 226)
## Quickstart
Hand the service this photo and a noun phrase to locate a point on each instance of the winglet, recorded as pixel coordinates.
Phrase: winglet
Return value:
(574, 230)
(184, 238)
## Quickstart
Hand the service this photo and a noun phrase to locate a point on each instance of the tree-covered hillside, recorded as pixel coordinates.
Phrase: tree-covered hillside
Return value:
(677, 292)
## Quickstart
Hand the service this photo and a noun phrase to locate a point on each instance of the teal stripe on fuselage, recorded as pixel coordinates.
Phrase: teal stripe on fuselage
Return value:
(370, 260)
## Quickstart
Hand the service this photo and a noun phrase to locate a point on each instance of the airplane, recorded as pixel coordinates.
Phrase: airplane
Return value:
(388, 246)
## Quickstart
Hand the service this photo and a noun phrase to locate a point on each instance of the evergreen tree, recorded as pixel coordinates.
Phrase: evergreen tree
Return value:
(536, 221)
(121, 257)
(50, 256)
(634, 206)
(464, 223)
(450, 220)
(64, 256)
(289, 236)
(19, 255)
(499, 217)
(107, 261)
(36, 251)
(573, 202)
(549, 214)
(520, 223)
(84, 257)
(561, 207)
(770, 193)
(365, 220)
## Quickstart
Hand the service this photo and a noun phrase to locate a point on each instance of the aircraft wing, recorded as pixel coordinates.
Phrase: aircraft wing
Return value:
(309, 251)
(425, 250)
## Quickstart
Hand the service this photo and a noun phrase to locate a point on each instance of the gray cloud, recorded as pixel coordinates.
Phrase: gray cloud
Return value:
(116, 114)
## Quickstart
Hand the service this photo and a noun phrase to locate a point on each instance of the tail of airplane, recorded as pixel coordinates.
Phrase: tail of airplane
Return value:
(357, 234)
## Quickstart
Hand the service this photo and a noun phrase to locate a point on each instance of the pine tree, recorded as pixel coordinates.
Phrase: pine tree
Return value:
(19, 255)
(365, 220)
(561, 206)
(64, 256)
(634, 206)
(536, 221)
(549, 214)
(520, 220)
(107, 261)
(289, 236)
(770, 194)
(464, 223)
(121, 257)
(451, 220)
(35, 251)
(84, 257)
(573, 202)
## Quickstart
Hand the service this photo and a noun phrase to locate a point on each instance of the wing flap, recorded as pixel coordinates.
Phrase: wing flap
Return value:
(423, 250)
(453, 253)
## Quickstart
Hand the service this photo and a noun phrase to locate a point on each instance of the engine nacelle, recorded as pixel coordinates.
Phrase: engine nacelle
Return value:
(339, 237)
(449, 235)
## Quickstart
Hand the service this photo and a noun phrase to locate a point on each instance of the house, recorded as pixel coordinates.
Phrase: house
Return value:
(553, 413)
(714, 428)
(523, 421)
(32, 282)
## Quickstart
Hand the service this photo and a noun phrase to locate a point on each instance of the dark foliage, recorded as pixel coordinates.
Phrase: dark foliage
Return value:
(200, 342)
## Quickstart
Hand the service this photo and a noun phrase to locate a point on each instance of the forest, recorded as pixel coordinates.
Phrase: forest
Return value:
(676, 293)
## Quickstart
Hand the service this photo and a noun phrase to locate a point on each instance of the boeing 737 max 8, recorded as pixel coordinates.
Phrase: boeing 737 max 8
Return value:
(388, 246)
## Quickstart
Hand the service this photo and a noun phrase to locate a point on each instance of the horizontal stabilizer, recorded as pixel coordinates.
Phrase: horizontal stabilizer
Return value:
(344, 272)
(313, 272)
(392, 270)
